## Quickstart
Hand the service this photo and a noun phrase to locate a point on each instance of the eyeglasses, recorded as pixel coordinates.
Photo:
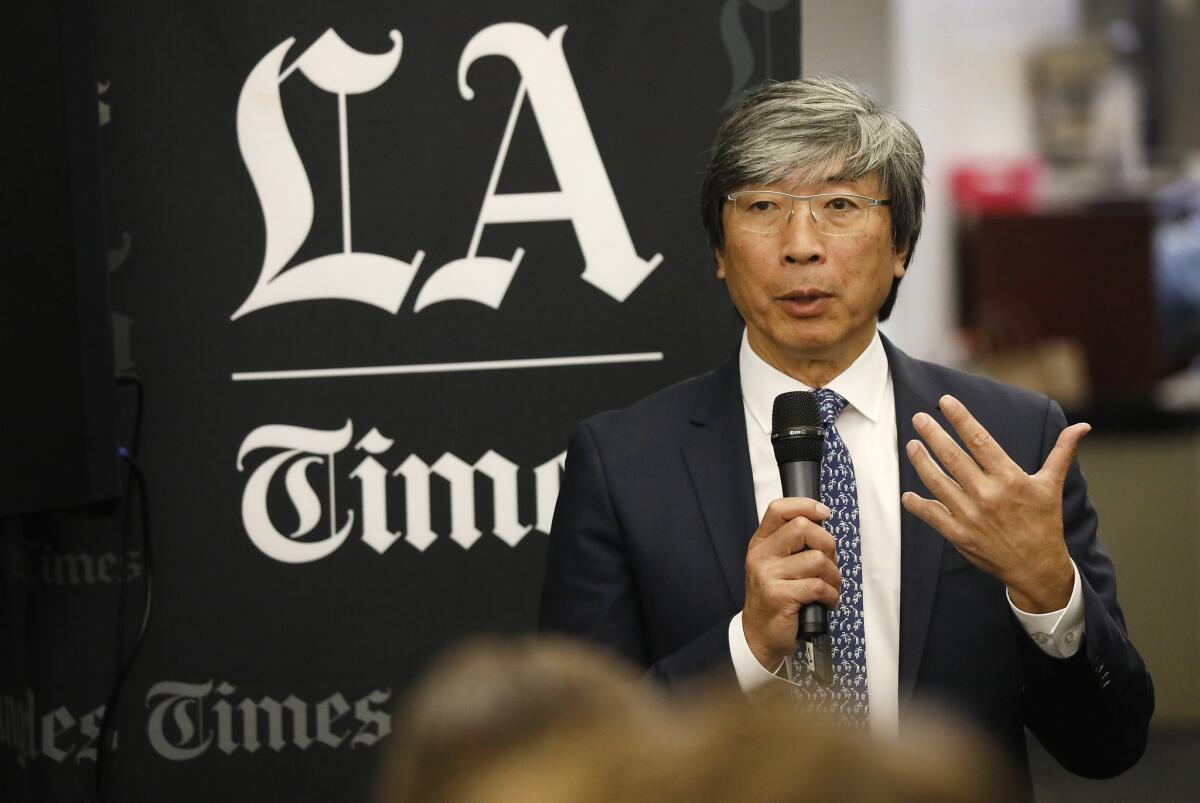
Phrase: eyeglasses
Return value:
(835, 214)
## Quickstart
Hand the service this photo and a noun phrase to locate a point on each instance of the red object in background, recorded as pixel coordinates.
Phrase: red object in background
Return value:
(1010, 186)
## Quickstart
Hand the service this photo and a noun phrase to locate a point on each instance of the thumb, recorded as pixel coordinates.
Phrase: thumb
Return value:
(1058, 462)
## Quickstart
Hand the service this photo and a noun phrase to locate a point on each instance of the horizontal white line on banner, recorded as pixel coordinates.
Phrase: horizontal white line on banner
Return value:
(448, 367)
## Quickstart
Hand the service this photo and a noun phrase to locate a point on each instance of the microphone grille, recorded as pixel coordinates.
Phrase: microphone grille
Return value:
(797, 408)
(790, 450)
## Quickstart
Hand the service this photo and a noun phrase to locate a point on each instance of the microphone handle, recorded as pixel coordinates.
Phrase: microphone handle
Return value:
(803, 478)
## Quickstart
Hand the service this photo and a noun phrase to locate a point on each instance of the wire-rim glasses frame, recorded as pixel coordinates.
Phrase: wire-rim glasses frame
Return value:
(841, 214)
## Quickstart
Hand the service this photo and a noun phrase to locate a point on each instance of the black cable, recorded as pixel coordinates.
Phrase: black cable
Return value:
(122, 663)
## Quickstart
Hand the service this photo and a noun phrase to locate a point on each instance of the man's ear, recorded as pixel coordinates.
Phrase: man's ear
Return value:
(719, 256)
(901, 257)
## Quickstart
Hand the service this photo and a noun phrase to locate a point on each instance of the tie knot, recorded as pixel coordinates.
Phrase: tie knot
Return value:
(830, 403)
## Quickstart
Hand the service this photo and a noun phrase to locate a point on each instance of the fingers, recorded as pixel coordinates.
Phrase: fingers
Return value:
(800, 579)
(797, 535)
(1058, 462)
(797, 562)
(812, 589)
(943, 487)
(957, 463)
(792, 524)
(810, 564)
(781, 511)
(989, 454)
(790, 562)
(933, 513)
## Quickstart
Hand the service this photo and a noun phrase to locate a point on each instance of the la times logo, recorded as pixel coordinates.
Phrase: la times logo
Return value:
(187, 719)
(40, 564)
(295, 449)
(585, 197)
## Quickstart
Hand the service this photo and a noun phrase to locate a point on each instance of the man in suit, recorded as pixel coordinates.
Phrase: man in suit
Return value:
(968, 566)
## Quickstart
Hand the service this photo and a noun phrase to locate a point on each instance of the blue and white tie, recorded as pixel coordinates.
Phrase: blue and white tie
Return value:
(846, 697)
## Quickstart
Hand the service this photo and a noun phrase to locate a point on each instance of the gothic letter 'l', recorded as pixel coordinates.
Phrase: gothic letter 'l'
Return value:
(284, 191)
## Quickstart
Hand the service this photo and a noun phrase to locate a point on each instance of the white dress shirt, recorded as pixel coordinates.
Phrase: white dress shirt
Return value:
(868, 428)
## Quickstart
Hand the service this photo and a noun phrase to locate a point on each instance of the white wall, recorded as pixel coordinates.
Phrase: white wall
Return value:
(851, 40)
(959, 77)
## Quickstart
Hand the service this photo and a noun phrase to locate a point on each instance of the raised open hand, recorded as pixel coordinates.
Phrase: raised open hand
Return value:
(1006, 522)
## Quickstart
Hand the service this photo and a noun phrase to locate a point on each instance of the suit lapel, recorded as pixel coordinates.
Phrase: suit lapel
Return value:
(718, 460)
(920, 545)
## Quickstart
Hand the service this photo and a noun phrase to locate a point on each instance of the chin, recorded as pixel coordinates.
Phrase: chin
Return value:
(809, 334)
(810, 346)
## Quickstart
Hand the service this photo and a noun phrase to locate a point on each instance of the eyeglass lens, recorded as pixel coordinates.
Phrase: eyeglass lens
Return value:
(768, 213)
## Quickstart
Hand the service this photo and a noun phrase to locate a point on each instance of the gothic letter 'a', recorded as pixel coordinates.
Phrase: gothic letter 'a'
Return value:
(586, 197)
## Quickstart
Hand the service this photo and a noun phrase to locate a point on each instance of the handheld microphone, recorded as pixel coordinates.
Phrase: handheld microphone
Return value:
(797, 437)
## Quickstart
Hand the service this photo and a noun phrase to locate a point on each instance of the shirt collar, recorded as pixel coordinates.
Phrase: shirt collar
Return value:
(862, 385)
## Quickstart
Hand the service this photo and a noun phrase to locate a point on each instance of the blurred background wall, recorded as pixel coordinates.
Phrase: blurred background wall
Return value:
(1061, 251)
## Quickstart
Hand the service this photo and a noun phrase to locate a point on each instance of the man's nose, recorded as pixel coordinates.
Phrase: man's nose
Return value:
(802, 243)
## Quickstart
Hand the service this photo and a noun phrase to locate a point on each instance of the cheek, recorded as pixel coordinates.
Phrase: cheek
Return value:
(866, 272)
(738, 267)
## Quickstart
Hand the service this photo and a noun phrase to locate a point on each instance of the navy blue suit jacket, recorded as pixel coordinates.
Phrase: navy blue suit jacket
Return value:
(647, 556)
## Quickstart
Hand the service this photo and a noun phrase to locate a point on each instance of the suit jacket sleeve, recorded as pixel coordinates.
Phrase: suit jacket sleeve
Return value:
(1090, 711)
(592, 590)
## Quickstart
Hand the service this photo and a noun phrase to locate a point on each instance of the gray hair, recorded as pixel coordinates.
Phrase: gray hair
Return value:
(803, 129)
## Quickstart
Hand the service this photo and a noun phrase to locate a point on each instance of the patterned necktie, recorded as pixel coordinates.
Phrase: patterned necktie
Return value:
(846, 697)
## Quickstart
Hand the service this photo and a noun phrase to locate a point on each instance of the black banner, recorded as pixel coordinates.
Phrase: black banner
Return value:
(372, 262)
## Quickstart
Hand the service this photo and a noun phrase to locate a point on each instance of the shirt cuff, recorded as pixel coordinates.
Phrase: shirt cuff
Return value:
(1058, 633)
(750, 673)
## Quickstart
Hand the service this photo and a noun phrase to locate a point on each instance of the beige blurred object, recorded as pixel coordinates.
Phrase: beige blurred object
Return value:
(1010, 349)
(1062, 81)
(1056, 368)
(490, 699)
(721, 749)
(556, 722)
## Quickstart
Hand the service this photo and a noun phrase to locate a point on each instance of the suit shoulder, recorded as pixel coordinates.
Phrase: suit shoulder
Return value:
(982, 392)
(662, 412)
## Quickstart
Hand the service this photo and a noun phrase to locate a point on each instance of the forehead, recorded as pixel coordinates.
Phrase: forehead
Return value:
(803, 183)
(813, 179)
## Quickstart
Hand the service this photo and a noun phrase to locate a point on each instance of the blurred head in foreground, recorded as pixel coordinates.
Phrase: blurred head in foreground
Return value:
(502, 722)
(489, 703)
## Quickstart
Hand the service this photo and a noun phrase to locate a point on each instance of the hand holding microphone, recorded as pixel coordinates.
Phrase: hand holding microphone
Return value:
(792, 577)
(797, 437)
